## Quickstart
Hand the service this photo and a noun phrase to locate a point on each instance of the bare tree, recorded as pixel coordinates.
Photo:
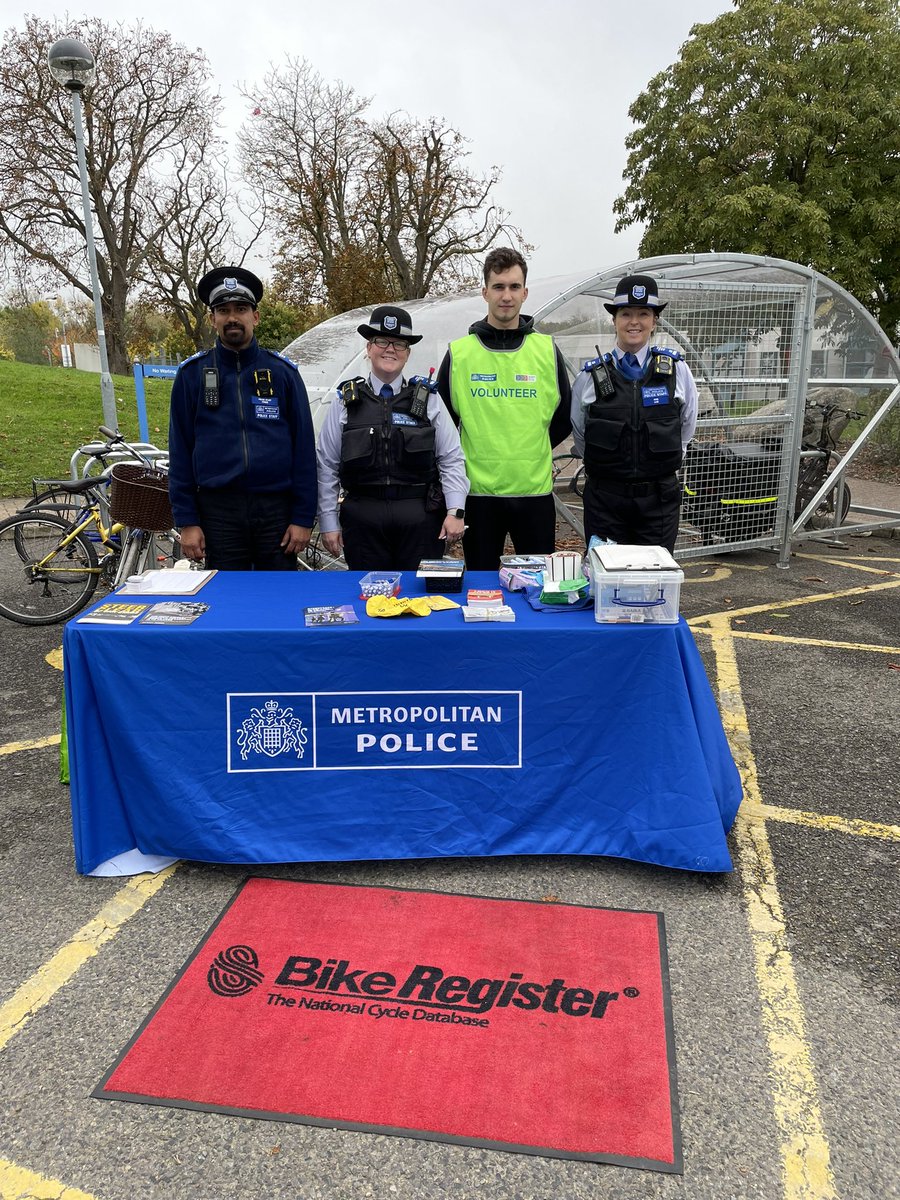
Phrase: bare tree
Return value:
(148, 120)
(195, 212)
(364, 210)
(429, 215)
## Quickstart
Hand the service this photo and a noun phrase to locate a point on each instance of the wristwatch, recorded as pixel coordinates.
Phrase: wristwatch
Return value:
(459, 513)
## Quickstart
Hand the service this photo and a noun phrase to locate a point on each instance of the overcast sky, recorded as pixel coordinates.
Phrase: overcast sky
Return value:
(541, 90)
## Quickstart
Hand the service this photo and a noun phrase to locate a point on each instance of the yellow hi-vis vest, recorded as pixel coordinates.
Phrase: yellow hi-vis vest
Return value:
(505, 400)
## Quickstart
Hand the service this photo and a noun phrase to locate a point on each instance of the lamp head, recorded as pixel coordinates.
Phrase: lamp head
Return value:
(71, 64)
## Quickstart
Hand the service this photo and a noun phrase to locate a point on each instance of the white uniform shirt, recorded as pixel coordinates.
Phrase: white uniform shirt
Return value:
(447, 452)
(583, 395)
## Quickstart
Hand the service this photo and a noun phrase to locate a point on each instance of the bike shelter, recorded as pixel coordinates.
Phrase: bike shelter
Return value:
(764, 338)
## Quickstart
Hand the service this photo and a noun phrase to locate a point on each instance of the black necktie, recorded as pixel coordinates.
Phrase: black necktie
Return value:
(387, 392)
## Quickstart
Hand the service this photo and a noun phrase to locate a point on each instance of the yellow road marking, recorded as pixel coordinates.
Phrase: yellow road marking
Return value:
(804, 1148)
(43, 985)
(826, 821)
(858, 564)
(862, 590)
(18, 1184)
(801, 641)
(55, 658)
(34, 744)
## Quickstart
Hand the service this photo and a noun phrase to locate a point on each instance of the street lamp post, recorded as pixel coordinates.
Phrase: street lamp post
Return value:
(72, 65)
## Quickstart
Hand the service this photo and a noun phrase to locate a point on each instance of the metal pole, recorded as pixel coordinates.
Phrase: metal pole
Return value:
(110, 418)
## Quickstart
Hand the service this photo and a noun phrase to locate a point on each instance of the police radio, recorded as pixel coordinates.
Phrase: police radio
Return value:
(600, 375)
(423, 389)
(211, 387)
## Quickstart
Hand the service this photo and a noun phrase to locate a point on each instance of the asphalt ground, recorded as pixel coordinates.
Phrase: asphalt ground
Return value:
(784, 973)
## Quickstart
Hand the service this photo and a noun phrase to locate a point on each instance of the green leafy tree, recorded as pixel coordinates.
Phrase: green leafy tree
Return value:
(280, 323)
(778, 133)
(28, 332)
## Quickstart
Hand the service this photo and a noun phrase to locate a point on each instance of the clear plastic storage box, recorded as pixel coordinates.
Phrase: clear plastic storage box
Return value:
(379, 583)
(635, 585)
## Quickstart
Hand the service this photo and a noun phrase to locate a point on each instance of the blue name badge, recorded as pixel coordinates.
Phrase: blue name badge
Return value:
(398, 418)
(655, 394)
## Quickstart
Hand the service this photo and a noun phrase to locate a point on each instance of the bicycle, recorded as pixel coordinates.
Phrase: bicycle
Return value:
(50, 566)
(568, 472)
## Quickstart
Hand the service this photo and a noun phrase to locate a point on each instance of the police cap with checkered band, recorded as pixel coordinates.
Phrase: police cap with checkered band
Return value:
(230, 285)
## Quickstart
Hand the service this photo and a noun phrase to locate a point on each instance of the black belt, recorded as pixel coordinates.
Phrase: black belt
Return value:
(390, 491)
(623, 487)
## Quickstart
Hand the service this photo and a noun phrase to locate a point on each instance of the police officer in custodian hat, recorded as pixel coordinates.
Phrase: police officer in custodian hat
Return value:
(633, 413)
(390, 446)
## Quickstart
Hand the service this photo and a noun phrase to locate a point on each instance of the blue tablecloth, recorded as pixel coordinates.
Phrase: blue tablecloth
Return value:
(247, 737)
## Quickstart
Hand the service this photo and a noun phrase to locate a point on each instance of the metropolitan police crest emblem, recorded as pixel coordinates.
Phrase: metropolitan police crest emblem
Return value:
(230, 283)
(272, 730)
(390, 323)
(639, 291)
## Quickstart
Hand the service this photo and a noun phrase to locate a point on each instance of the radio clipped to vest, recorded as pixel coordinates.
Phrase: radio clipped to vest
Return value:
(422, 389)
(603, 385)
(211, 387)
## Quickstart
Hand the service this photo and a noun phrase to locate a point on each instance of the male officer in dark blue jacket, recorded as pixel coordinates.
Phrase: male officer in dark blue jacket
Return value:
(242, 456)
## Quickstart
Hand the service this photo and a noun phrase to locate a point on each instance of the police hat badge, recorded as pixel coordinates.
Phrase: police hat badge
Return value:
(636, 291)
(389, 319)
(230, 285)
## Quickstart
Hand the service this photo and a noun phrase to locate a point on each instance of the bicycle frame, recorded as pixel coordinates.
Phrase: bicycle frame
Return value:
(95, 518)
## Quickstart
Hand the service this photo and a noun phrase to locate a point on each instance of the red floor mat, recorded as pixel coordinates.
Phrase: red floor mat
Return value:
(541, 1028)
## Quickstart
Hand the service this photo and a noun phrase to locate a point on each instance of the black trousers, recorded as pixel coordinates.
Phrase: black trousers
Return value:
(389, 535)
(647, 519)
(530, 522)
(243, 530)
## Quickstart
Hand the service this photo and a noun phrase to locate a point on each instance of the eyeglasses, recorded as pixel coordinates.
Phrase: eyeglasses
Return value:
(384, 343)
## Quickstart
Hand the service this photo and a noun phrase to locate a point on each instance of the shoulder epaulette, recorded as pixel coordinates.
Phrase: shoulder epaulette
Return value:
(185, 361)
(278, 354)
(595, 362)
(669, 352)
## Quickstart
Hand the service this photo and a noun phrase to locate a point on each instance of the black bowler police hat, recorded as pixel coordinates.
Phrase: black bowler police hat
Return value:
(229, 285)
(389, 321)
(636, 291)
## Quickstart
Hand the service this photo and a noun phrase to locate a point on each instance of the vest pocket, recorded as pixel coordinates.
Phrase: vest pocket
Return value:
(414, 442)
(604, 434)
(358, 446)
(663, 437)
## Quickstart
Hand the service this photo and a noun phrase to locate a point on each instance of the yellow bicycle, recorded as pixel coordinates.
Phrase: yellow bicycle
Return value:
(52, 563)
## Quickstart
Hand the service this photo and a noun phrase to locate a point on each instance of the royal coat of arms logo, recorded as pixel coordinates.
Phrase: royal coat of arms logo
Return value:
(272, 730)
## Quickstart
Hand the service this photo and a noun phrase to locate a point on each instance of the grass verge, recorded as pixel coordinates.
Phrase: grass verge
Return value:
(47, 412)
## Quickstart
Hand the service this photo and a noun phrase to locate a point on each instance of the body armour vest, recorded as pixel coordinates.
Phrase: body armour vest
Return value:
(635, 433)
(505, 400)
(383, 444)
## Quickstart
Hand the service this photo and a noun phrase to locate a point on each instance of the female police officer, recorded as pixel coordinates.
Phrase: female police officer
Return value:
(633, 413)
(391, 445)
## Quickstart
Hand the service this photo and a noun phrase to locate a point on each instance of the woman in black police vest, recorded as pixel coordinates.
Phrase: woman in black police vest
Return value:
(633, 413)
(392, 448)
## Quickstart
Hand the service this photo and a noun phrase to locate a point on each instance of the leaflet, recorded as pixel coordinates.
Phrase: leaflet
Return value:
(331, 614)
(174, 612)
(114, 613)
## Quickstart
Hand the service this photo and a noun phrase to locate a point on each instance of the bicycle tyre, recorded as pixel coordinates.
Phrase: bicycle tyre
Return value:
(45, 595)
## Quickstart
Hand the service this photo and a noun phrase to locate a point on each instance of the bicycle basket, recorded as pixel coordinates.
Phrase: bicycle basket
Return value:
(139, 496)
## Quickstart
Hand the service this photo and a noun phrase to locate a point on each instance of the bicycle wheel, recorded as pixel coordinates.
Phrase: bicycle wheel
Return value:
(46, 574)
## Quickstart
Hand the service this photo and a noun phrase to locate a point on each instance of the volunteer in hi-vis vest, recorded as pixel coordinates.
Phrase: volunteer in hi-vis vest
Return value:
(507, 389)
(633, 413)
(388, 443)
